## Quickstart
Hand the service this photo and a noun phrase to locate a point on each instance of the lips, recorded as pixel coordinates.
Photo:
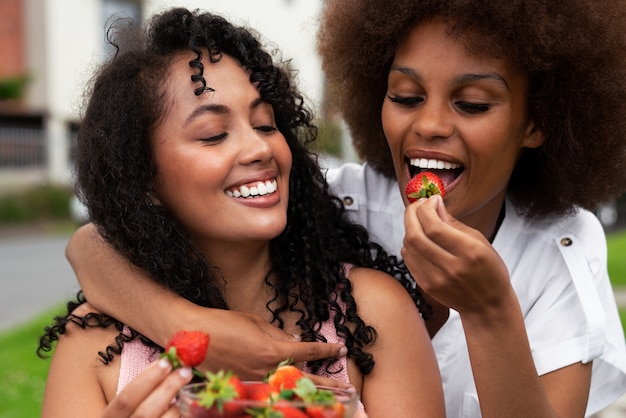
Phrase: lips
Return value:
(251, 190)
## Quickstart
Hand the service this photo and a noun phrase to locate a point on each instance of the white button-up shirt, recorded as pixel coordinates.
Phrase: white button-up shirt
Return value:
(558, 271)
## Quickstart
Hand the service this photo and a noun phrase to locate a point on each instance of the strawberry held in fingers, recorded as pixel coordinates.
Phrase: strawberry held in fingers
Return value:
(424, 185)
(187, 348)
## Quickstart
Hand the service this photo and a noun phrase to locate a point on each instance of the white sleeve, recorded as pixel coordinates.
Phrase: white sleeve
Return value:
(569, 308)
(371, 200)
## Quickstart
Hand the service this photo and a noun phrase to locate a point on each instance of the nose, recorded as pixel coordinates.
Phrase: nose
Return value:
(255, 147)
(432, 120)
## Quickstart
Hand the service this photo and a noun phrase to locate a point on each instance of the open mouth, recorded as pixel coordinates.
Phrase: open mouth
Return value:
(260, 188)
(446, 170)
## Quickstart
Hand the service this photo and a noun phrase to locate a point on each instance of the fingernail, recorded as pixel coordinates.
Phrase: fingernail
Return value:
(343, 351)
(184, 372)
(296, 337)
(164, 363)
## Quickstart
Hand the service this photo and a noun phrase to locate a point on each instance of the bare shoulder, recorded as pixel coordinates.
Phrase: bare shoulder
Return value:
(77, 367)
(84, 309)
(372, 283)
(380, 296)
(85, 341)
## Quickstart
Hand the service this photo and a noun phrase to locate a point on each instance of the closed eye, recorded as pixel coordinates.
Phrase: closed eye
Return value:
(406, 101)
(473, 107)
(215, 139)
(266, 128)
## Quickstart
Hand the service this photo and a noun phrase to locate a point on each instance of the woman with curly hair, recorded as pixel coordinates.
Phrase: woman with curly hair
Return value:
(192, 161)
(522, 104)
(521, 108)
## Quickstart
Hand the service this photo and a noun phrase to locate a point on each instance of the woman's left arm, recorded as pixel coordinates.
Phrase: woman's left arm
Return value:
(405, 381)
(458, 266)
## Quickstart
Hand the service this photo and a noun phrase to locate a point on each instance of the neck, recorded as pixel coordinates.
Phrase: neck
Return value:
(487, 219)
(243, 269)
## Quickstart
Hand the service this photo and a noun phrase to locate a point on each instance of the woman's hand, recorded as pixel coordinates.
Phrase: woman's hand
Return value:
(249, 346)
(151, 393)
(453, 263)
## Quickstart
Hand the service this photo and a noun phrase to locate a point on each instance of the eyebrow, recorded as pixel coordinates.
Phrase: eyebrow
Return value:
(218, 109)
(464, 78)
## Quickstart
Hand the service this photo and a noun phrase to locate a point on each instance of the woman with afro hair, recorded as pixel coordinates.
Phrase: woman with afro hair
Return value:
(520, 107)
(192, 161)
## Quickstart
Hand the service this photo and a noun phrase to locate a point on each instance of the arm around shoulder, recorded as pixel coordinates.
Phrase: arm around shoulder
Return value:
(114, 285)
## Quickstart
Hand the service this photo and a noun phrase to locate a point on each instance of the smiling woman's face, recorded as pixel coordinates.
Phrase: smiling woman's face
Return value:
(222, 165)
(461, 112)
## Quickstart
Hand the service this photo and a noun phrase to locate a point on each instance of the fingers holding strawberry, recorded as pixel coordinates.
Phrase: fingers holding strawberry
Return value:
(150, 394)
(452, 262)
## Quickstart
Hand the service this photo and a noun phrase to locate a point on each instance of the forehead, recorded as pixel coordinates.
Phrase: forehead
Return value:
(438, 41)
(227, 82)
(227, 74)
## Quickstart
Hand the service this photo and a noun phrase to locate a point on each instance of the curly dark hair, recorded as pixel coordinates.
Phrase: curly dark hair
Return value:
(115, 174)
(572, 51)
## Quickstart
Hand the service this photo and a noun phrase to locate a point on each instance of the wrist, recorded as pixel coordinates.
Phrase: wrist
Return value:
(503, 312)
(189, 316)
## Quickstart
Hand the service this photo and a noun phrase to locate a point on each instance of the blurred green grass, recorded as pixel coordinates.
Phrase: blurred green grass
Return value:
(616, 243)
(23, 374)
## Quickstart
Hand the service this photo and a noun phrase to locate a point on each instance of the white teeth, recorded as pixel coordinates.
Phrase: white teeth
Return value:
(431, 163)
(261, 189)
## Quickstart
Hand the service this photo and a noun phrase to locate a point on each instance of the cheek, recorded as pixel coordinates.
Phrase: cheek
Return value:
(396, 125)
(386, 120)
(283, 155)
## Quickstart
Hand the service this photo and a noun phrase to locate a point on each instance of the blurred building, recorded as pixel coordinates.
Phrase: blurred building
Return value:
(49, 48)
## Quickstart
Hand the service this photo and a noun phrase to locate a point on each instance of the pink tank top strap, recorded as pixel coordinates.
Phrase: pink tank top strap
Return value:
(135, 357)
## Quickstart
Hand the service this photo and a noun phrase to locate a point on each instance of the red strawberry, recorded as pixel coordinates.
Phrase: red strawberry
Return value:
(425, 184)
(221, 388)
(287, 410)
(284, 377)
(321, 403)
(258, 391)
(325, 411)
(198, 411)
(187, 348)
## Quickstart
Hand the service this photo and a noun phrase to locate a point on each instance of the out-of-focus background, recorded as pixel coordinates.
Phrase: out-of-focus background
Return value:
(48, 50)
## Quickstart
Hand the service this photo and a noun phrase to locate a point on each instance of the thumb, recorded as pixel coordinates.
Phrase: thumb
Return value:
(436, 202)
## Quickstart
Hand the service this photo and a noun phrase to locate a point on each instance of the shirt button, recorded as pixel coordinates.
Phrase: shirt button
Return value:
(348, 201)
(566, 242)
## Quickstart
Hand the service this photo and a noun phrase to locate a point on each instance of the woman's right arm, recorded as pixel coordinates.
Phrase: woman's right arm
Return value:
(114, 285)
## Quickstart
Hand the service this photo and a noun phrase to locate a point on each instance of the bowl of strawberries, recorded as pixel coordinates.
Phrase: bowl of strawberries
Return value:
(285, 393)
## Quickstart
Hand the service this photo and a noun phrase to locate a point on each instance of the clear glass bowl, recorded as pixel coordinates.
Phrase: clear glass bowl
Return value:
(189, 395)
